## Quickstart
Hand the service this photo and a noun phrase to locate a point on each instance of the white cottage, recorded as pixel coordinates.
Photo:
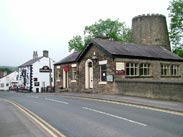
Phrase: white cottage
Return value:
(8, 80)
(36, 75)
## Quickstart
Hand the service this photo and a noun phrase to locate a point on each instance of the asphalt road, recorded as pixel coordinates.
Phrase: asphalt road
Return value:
(77, 117)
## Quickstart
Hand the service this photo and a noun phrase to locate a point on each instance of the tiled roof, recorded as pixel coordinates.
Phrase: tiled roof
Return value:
(119, 49)
(30, 62)
(69, 59)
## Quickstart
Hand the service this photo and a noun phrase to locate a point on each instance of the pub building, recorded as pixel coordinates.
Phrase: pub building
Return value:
(36, 75)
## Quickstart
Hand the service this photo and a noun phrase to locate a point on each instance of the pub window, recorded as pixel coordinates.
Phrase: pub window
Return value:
(103, 72)
(165, 69)
(2, 85)
(131, 69)
(175, 70)
(145, 69)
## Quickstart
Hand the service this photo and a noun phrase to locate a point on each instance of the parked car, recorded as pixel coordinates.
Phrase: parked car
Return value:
(13, 87)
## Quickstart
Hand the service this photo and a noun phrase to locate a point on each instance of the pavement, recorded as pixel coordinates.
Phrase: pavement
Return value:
(161, 104)
(14, 123)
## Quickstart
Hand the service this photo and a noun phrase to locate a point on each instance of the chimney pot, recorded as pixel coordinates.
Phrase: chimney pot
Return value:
(45, 53)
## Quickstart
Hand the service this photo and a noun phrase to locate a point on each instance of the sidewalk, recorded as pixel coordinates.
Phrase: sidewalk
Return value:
(163, 104)
(13, 123)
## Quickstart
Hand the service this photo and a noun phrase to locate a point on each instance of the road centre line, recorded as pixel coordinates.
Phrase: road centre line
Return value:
(33, 96)
(164, 110)
(115, 116)
(58, 101)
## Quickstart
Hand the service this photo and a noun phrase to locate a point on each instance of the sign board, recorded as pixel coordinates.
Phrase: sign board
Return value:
(36, 83)
(110, 78)
(66, 68)
(120, 68)
(45, 69)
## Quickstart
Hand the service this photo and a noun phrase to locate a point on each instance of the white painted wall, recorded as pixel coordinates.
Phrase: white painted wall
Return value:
(6, 81)
(43, 77)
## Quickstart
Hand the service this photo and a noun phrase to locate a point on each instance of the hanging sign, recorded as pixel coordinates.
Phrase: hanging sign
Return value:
(66, 68)
(45, 69)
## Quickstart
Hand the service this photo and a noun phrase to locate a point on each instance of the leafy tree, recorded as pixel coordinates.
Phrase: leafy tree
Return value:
(176, 24)
(76, 43)
(178, 50)
(113, 30)
(6, 69)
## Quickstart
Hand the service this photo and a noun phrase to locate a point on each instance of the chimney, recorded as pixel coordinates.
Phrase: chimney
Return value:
(45, 53)
(35, 55)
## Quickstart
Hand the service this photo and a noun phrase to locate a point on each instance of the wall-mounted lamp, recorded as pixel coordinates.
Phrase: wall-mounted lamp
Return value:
(94, 57)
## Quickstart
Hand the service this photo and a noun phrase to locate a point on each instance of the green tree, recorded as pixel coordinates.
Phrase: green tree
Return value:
(176, 24)
(76, 43)
(6, 69)
(178, 50)
(113, 30)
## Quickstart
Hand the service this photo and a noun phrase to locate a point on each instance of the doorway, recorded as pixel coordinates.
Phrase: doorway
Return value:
(88, 74)
(65, 79)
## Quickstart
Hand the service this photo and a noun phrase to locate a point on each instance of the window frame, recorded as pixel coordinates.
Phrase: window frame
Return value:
(102, 63)
(132, 69)
(145, 68)
(165, 70)
(175, 70)
(73, 72)
(58, 73)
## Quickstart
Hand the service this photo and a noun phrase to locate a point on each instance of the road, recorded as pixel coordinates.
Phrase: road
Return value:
(78, 117)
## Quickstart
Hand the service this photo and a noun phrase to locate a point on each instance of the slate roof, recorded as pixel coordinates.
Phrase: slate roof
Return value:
(69, 59)
(30, 62)
(124, 50)
(131, 50)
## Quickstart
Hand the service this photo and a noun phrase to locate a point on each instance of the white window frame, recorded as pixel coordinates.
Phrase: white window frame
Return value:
(165, 70)
(103, 62)
(58, 73)
(145, 68)
(133, 66)
(175, 70)
(73, 66)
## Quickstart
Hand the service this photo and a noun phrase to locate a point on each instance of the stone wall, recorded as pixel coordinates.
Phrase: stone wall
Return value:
(169, 90)
(153, 86)
(104, 88)
(150, 30)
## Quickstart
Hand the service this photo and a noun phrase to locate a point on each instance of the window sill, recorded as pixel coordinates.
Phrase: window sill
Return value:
(132, 76)
(139, 76)
(102, 82)
(170, 76)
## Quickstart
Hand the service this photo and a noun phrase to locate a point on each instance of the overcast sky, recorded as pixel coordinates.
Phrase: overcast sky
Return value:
(37, 25)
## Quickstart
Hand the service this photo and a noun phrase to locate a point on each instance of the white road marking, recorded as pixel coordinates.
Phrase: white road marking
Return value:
(58, 101)
(111, 115)
(32, 96)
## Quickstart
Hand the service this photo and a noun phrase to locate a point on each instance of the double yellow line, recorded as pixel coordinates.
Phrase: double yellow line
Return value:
(46, 126)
